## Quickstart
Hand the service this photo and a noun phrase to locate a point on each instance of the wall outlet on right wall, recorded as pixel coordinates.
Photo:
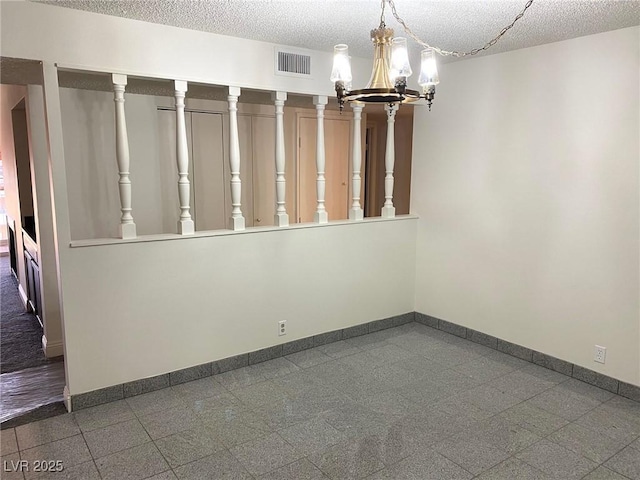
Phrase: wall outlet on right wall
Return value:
(600, 354)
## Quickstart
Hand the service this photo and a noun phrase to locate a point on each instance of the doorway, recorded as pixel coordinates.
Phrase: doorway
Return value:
(23, 168)
(337, 149)
(32, 384)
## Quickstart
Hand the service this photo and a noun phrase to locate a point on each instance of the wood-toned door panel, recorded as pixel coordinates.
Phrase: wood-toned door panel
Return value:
(264, 170)
(337, 154)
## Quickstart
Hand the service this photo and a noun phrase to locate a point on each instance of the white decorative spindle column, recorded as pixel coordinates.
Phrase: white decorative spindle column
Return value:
(321, 215)
(236, 222)
(388, 210)
(127, 227)
(185, 224)
(281, 217)
(356, 212)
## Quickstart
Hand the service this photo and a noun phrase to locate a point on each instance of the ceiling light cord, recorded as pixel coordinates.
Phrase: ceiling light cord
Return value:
(454, 53)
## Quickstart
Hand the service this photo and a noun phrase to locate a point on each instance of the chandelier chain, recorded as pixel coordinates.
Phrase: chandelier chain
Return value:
(453, 53)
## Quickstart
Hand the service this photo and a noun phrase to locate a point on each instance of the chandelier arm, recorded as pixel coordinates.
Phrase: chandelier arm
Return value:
(455, 53)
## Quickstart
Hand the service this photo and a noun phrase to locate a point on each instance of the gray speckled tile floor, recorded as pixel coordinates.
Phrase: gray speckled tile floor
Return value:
(407, 403)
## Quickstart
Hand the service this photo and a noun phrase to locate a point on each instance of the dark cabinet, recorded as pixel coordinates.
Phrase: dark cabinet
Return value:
(32, 270)
(13, 256)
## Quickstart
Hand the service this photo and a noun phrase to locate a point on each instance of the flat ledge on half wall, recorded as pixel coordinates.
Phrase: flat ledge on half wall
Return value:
(547, 361)
(162, 237)
(158, 382)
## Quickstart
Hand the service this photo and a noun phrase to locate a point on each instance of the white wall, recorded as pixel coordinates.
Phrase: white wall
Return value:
(142, 309)
(132, 310)
(525, 176)
(526, 182)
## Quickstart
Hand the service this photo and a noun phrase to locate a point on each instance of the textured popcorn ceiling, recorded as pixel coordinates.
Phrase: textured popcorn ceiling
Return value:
(319, 24)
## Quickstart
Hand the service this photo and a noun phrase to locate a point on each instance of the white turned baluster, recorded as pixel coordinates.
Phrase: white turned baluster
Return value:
(321, 215)
(185, 224)
(281, 217)
(388, 210)
(127, 227)
(236, 222)
(356, 212)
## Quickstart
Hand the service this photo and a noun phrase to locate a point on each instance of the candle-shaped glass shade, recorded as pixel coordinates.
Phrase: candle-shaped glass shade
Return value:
(400, 66)
(428, 69)
(341, 64)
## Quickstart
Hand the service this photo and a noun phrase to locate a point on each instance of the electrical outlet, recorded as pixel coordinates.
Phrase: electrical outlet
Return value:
(600, 354)
(282, 328)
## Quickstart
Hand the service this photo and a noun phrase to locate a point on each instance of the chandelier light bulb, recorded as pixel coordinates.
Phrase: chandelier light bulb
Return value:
(341, 64)
(428, 69)
(400, 66)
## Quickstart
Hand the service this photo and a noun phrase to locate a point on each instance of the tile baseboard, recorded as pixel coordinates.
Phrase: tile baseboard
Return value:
(145, 385)
(542, 359)
(150, 384)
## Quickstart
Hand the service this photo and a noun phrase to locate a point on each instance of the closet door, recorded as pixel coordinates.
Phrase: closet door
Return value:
(209, 179)
(168, 169)
(337, 154)
(264, 170)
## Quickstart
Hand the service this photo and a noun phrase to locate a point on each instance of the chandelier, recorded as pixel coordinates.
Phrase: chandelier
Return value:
(391, 67)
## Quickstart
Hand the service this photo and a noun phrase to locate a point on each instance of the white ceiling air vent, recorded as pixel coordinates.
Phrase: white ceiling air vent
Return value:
(293, 64)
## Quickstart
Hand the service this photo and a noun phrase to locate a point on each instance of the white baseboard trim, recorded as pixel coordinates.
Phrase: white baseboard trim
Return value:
(23, 295)
(52, 349)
